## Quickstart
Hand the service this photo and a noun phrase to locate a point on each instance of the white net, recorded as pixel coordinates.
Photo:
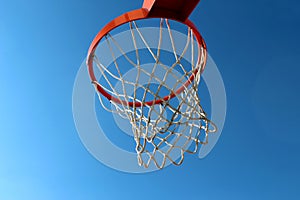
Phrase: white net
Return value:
(142, 82)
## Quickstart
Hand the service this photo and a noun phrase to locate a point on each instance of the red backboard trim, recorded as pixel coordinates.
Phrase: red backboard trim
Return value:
(179, 9)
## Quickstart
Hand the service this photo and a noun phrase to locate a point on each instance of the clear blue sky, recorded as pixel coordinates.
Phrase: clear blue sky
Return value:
(256, 47)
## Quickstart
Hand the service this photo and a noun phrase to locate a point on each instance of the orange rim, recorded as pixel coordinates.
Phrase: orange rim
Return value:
(132, 16)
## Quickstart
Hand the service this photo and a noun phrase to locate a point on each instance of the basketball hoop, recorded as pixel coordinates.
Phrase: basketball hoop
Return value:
(160, 98)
